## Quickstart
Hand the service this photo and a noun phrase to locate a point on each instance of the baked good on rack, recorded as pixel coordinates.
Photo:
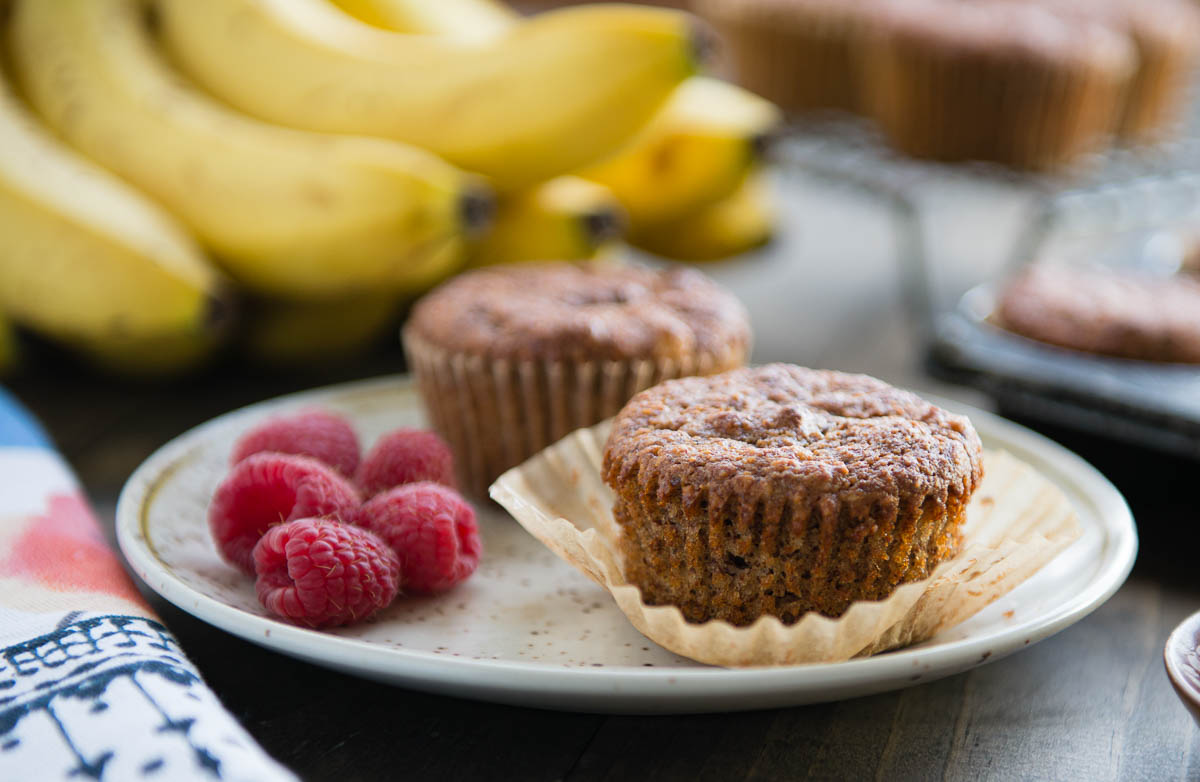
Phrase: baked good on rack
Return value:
(1123, 314)
(510, 359)
(801, 54)
(1013, 83)
(781, 490)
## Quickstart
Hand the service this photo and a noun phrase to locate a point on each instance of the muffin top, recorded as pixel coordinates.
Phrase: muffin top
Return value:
(1123, 314)
(781, 433)
(1020, 29)
(564, 311)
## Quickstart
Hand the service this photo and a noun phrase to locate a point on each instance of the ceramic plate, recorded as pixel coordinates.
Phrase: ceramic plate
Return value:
(528, 629)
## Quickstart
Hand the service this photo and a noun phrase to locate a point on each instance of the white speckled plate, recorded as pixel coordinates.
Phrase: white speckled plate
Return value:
(529, 629)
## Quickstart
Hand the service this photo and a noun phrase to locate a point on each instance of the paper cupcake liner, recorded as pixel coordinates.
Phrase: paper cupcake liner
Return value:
(1017, 522)
(497, 413)
(955, 106)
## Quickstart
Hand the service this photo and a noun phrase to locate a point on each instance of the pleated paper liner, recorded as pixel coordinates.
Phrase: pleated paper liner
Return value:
(497, 413)
(1016, 523)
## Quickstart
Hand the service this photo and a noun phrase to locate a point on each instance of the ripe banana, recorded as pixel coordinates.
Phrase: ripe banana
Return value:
(288, 212)
(693, 152)
(303, 334)
(555, 93)
(152, 357)
(10, 357)
(741, 222)
(564, 219)
(82, 254)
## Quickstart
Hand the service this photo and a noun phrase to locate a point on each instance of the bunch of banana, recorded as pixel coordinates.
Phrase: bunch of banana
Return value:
(565, 218)
(84, 258)
(695, 152)
(544, 98)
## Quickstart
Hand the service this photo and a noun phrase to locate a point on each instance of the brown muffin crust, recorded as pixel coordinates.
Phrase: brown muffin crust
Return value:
(1122, 314)
(1013, 83)
(782, 490)
(573, 312)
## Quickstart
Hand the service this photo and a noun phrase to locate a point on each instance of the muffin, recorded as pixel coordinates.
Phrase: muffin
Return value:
(781, 490)
(1012, 83)
(510, 359)
(801, 54)
(1122, 314)
(1166, 35)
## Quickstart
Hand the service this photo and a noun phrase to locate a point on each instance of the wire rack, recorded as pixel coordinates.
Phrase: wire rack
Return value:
(1121, 190)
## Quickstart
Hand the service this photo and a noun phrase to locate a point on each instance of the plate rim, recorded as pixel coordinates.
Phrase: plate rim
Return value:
(678, 689)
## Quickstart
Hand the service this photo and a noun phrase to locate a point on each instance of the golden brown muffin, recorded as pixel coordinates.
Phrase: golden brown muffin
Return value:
(510, 359)
(1122, 314)
(801, 54)
(1012, 83)
(781, 490)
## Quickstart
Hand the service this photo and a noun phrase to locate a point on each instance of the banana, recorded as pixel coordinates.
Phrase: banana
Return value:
(469, 20)
(82, 254)
(155, 357)
(287, 212)
(696, 151)
(553, 94)
(741, 222)
(303, 334)
(693, 152)
(564, 219)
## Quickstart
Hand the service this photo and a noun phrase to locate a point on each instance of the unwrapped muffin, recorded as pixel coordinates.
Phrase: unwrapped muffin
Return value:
(1123, 314)
(510, 359)
(781, 490)
(1013, 83)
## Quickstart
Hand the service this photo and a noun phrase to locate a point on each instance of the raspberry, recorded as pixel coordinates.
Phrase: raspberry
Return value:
(317, 433)
(321, 573)
(268, 489)
(405, 456)
(431, 528)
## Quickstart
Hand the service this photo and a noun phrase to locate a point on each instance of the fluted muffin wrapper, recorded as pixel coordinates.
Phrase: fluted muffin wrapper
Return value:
(496, 413)
(1016, 523)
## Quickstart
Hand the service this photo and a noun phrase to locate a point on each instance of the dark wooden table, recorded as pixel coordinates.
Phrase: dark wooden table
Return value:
(1091, 703)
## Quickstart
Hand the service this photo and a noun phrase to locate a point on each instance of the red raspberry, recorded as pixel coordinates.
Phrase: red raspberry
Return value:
(268, 489)
(321, 573)
(320, 434)
(431, 528)
(405, 456)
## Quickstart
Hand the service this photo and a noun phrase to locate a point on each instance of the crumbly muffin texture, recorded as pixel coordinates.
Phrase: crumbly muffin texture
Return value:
(582, 312)
(781, 490)
(1107, 312)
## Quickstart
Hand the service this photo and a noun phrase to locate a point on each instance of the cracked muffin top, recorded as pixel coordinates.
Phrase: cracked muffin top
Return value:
(573, 312)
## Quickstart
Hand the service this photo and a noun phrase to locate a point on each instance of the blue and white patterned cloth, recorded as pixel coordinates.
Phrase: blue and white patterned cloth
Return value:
(92, 686)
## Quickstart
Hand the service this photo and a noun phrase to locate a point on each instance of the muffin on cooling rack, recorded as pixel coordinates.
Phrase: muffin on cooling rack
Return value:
(801, 54)
(1013, 83)
(510, 359)
(781, 490)
(1107, 312)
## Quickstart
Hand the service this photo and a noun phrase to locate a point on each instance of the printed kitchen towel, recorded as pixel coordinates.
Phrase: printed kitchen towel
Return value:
(92, 686)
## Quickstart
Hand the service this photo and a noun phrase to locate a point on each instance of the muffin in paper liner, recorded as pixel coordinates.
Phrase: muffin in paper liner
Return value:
(495, 413)
(1016, 523)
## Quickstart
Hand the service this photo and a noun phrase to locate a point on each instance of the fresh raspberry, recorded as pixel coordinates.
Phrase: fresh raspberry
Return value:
(405, 456)
(431, 528)
(320, 434)
(268, 489)
(321, 573)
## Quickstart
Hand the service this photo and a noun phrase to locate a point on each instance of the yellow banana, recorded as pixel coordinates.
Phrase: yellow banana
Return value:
(471, 20)
(564, 219)
(551, 95)
(741, 222)
(287, 212)
(696, 151)
(82, 254)
(151, 357)
(693, 152)
(292, 333)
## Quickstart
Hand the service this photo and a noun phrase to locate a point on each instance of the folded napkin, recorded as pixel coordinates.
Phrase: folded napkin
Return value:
(92, 686)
